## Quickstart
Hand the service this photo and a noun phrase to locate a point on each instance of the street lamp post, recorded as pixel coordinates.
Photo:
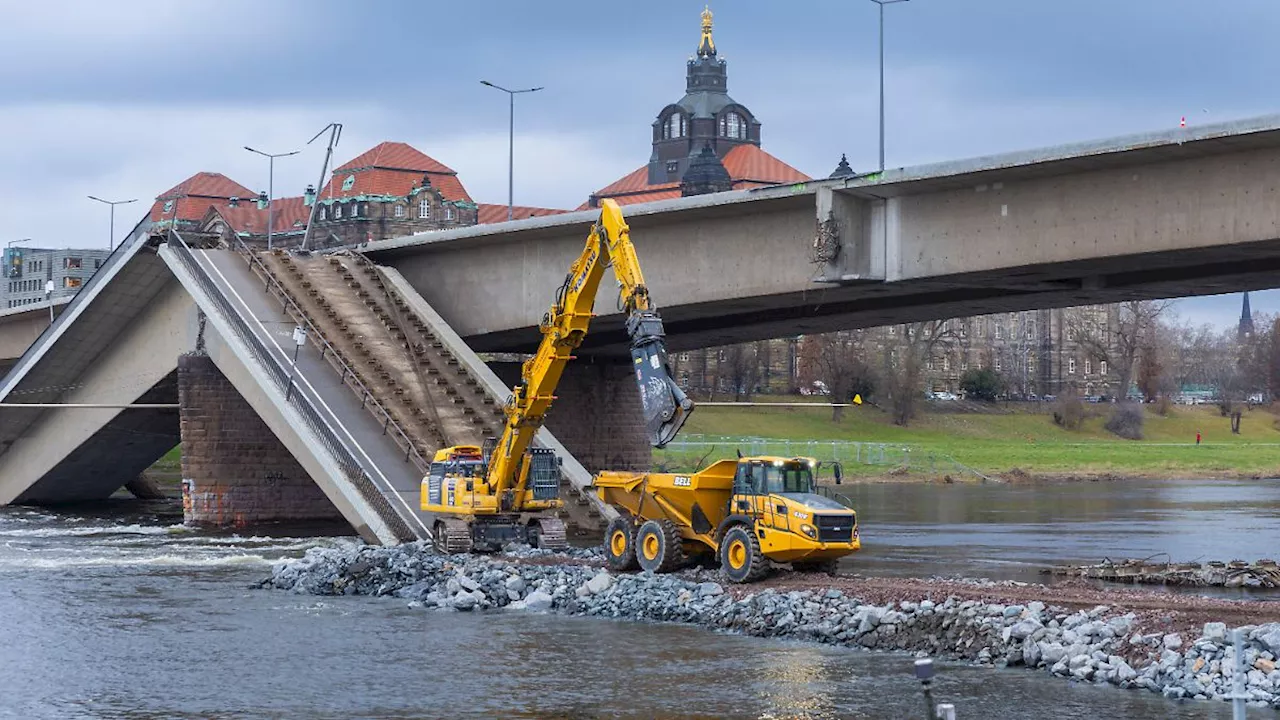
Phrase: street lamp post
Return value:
(511, 142)
(882, 3)
(111, 237)
(271, 188)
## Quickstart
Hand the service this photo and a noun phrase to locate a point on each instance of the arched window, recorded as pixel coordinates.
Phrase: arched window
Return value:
(733, 126)
(675, 127)
(424, 209)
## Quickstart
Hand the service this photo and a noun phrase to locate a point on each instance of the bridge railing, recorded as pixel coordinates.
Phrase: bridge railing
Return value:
(334, 358)
(694, 450)
(280, 377)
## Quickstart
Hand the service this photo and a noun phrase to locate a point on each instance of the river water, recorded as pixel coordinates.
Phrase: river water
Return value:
(123, 614)
(1011, 532)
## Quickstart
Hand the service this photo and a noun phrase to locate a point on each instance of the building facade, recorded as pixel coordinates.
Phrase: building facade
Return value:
(28, 272)
(390, 190)
(1036, 353)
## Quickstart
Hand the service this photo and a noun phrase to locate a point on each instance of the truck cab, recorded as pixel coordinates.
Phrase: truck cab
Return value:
(793, 522)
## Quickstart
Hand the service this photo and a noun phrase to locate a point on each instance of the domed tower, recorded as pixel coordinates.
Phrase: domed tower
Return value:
(706, 115)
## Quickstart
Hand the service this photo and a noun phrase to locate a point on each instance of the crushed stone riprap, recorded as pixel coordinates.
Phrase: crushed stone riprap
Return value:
(1127, 639)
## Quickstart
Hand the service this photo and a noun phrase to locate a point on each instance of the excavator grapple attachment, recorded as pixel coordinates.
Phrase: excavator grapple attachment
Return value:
(666, 407)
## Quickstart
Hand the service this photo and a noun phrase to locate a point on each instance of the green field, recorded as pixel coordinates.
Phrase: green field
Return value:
(991, 443)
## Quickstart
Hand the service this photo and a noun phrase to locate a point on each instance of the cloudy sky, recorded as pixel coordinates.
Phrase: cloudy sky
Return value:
(125, 99)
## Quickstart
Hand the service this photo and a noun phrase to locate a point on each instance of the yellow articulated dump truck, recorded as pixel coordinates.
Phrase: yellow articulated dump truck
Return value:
(750, 512)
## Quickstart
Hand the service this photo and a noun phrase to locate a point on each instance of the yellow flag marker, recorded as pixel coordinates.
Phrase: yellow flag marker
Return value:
(857, 399)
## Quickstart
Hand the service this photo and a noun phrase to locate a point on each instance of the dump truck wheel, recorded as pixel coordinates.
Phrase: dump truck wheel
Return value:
(740, 557)
(817, 566)
(620, 544)
(658, 546)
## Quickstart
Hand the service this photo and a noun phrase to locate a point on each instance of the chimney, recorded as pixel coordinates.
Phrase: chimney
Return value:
(309, 196)
(262, 200)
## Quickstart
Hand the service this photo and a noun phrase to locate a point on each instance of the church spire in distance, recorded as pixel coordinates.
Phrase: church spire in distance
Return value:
(1246, 319)
(706, 46)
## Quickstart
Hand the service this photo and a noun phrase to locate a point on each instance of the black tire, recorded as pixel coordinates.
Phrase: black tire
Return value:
(741, 559)
(817, 566)
(659, 548)
(620, 544)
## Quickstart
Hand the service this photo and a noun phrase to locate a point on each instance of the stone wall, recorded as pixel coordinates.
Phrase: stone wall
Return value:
(235, 472)
(596, 414)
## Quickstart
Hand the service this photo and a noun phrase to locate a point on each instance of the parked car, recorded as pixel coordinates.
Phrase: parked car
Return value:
(944, 395)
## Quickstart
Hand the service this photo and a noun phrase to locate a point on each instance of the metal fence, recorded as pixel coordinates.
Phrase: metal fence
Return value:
(279, 375)
(698, 450)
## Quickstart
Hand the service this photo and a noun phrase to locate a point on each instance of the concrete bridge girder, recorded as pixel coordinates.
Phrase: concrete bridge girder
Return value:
(74, 455)
(1159, 215)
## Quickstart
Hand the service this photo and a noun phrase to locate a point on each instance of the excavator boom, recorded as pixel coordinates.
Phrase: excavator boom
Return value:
(505, 490)
(666, 407)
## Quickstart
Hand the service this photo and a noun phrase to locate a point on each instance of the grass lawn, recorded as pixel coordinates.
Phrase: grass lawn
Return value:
(998, 443)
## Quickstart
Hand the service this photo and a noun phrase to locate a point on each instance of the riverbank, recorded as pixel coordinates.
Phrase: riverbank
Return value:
(1018, 440)
(1126, 639)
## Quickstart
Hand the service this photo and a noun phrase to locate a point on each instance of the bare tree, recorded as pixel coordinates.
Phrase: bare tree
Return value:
(905, 364)
(838, 360)
(740, 369)
(1117, 333)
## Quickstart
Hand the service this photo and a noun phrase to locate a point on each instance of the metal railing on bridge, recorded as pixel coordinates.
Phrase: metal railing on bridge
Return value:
(280, 377)
(330, 354)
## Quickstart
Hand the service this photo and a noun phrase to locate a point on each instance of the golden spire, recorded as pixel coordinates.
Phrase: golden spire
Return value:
(706, 46)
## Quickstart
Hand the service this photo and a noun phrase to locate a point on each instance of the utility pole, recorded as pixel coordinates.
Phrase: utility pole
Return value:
(271, 188)
(511, 142)
(111, 234)
(882, 3)
(335, 134)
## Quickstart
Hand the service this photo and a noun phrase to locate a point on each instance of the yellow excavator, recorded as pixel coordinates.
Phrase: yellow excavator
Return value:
(506, 490)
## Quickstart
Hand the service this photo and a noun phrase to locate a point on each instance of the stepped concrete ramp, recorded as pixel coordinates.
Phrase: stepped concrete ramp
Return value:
(116, 343)
(310, 407)
(434, 389)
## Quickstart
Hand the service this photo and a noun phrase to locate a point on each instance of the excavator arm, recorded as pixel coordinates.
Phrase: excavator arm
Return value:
(563, 328)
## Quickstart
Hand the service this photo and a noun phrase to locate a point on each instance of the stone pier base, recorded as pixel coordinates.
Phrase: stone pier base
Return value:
(234, 470)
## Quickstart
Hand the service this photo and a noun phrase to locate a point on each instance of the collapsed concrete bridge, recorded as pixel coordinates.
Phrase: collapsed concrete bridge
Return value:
(1187, 212)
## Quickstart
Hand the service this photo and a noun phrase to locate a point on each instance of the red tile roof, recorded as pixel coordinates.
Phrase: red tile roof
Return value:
(392, 182)
(208, 184)
(748, 167)
(498, 213)
(194, 196)
(750, 163)
(290, 215)
(396, 156)
(186, 208)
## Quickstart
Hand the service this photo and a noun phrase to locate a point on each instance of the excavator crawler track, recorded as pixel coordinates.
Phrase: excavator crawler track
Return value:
(551, 533)
(452, 536)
